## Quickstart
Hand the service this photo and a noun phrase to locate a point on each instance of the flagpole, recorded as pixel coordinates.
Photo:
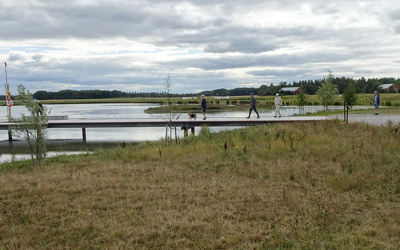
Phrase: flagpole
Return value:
(5, 70)
(8, 94)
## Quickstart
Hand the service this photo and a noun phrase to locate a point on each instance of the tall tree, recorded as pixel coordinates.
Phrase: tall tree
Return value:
(349, 95)
(169, 116)
(32, 126)
(327, 92)
(301, 99)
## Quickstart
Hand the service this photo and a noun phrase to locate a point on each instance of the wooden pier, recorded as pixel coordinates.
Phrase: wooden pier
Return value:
(183, 124)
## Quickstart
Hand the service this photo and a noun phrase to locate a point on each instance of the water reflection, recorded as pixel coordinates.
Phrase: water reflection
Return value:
(70, 140)
(18, 150)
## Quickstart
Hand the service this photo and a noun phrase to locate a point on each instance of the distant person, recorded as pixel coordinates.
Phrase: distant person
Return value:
(278, 105)
(203, 106)
(39, 109)
(253, 105)
(377, 102)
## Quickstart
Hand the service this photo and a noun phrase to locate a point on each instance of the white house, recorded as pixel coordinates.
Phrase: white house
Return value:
(293, 90)
(389, 86)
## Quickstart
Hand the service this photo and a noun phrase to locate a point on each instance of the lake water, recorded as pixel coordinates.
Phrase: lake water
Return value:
(69, 141)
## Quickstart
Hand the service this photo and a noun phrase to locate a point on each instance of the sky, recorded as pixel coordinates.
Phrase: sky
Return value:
(133, 46)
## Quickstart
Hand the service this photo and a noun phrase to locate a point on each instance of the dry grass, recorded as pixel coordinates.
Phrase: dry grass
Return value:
(307, 186)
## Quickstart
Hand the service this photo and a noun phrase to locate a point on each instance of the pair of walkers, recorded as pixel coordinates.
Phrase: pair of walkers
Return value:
(253, 102)
(277, 102)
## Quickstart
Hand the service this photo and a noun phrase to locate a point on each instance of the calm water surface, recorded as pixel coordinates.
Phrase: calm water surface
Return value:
(69, 141)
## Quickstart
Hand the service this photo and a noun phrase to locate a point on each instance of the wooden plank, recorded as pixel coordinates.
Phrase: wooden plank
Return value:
(104, 123)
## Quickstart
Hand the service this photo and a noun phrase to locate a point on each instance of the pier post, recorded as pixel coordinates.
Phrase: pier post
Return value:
(9, 134)
(186, 129)
(185, 132)
(84, 134)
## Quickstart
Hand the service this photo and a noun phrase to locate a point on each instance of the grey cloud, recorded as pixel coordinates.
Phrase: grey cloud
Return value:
(395, 15)
(246, 61)
(280, 73)
(279, 53)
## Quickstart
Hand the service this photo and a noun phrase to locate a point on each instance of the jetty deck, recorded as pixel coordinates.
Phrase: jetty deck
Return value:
(184, 124)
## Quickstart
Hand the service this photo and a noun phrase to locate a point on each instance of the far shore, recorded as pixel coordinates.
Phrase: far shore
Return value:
(388, 99)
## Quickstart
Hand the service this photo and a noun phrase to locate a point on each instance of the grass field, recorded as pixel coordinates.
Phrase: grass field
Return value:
(313, 185)
(179, 104)
(392, 99)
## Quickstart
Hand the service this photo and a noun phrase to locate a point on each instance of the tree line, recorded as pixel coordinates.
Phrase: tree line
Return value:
(309, 87)
(97, 94)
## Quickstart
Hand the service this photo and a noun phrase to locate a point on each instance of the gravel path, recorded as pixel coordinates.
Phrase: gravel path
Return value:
(371, 118)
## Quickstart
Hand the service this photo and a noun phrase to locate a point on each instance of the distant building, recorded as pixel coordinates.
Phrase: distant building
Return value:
(291, 90)
(221, 97)
(389, 87)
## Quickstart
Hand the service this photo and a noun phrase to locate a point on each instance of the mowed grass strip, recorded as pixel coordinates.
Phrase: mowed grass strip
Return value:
(310, 185)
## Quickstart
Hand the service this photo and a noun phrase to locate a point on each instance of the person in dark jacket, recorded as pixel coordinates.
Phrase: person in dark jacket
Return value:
(253, 105)
(377, 102)
(203, 106)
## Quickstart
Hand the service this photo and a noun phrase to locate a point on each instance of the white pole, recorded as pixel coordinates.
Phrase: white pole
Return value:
(9, 101)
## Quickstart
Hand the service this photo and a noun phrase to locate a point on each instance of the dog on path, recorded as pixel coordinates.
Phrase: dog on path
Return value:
(192, 116)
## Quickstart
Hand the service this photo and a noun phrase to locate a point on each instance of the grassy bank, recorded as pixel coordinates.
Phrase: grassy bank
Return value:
(308, 186)
(386, 110)
(179, 104)
(388, 99)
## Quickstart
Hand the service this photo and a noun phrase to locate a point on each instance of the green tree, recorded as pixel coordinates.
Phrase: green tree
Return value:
(349, 95)
(169, 116)
(301, 99)
(32, 126)
(327, 92)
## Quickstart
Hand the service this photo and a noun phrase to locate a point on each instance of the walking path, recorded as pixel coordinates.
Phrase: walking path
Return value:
(372, 119)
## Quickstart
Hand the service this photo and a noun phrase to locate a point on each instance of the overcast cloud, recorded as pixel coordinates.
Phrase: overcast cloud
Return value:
(132, 45)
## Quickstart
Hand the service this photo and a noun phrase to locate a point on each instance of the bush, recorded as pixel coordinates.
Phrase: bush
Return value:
(205, 132)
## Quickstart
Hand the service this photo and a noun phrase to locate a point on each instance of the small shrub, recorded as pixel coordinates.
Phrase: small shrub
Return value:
(205, 132)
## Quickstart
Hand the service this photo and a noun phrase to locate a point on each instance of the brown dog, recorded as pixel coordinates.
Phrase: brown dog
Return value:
(192, 116)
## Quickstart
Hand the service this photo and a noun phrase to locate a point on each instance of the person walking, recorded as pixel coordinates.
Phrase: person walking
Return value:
(377, 102)
(253, 105)
(278, 105)
(203, 106)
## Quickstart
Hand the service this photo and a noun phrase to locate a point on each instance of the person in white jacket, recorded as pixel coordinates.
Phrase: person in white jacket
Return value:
(278, 105)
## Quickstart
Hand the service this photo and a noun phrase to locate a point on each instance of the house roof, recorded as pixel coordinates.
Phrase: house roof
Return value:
(291, 89)
(386, 86)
